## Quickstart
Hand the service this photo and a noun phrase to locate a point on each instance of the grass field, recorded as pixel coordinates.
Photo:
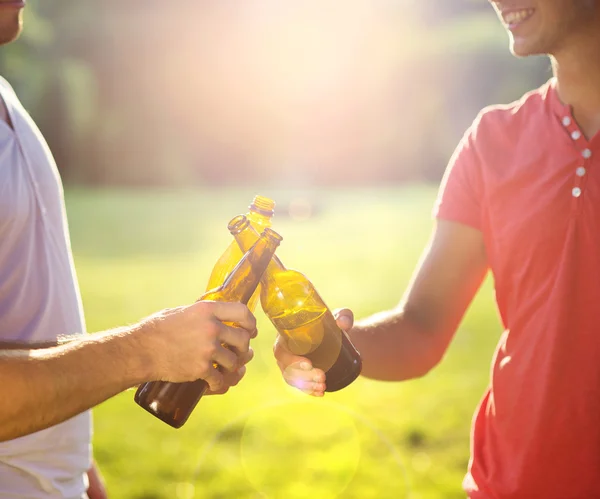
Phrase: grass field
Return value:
(139, 251)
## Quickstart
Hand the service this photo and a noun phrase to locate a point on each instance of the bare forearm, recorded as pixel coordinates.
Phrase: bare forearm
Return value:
(394, 347)
(409, 341)
(44, 387)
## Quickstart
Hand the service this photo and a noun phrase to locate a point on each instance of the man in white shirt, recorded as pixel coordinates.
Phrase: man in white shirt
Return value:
(48, 387)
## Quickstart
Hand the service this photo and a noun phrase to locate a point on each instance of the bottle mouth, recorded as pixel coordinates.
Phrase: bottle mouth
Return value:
(272, 234)
(263, 205)
(238, 224)
(241, 222)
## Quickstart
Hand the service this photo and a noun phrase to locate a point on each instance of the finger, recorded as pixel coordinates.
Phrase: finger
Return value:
(214, 379)
(235, 337)
(225, 358)
(294, 374)
(254, 333)
(245, 357)
(235, 312)
(294, 363)
(344, 318)
(287, 361)
(308, 387)
(221, 391)
(229, 380)
(232, 379)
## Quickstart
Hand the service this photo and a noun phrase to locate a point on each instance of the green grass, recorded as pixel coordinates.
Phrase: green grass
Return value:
(139, 251)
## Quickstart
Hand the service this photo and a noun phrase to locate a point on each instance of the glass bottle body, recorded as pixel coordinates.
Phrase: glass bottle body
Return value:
(173, 403)
(308, 327)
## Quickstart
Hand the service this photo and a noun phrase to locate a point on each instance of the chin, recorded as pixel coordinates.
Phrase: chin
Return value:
(9, 37)
(525, 48)
(10, 29)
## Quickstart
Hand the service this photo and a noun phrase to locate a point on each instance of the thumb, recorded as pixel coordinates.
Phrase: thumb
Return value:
(344, 318)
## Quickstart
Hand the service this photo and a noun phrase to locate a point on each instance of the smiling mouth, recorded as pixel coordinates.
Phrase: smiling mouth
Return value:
(514, 18)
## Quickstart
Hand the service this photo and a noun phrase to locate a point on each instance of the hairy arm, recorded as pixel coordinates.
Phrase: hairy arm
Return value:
(44, 387)
(408, 341)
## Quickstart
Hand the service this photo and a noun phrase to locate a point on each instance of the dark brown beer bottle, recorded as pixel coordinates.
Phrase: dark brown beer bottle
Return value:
(301, 317)
(174, 402)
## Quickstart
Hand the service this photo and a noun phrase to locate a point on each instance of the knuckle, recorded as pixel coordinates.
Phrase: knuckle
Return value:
(203, 307)
(203, 367)
(245, 340)
(250, 317)
(217, 382)
(212, 329)
(229, 360)
(234, 356)
(211, 349)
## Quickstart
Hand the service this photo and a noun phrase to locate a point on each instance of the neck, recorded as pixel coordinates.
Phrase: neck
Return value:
(577, 75)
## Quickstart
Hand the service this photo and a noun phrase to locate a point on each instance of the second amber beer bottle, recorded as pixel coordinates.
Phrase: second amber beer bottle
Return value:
(301, 317)
(174, 402)
(260, 213)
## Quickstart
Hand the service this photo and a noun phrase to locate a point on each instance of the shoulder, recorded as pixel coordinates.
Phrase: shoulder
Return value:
(496, 132)
(6, 86)
(501, 121)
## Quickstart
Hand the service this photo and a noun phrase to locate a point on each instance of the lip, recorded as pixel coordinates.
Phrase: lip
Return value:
(15, 4)
(513, 18)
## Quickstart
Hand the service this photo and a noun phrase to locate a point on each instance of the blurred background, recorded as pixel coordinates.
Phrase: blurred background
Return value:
(166, 118)
(286, 93)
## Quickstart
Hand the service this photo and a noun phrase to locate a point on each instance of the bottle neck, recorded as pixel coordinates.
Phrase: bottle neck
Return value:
(263, 204)
(258, 218)
(261, 211)
(243, 280)
(246, 237)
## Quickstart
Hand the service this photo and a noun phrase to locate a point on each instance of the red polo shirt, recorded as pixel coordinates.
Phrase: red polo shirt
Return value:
(527, 178)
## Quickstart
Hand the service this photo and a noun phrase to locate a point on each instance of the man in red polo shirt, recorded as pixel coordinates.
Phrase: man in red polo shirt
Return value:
(521, 197)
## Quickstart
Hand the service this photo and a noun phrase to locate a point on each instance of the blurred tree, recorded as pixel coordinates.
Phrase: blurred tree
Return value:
(141, 93)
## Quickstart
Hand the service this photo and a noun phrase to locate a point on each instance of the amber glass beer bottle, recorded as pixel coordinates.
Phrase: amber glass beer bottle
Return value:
(260, 213)
(301, 317)
(174, 402)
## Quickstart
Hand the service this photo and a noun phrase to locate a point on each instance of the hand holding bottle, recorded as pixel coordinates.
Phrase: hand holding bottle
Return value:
(298, 371)
(185, 342)
(173, 402)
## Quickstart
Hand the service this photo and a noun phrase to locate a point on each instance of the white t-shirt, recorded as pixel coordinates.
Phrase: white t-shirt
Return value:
(39, 300)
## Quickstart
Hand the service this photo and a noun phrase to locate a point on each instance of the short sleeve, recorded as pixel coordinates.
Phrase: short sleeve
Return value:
(7, 86)
(461, 190)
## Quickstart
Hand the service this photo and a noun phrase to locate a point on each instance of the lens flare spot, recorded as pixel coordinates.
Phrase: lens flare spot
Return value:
(300, 209)
(315, 446)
